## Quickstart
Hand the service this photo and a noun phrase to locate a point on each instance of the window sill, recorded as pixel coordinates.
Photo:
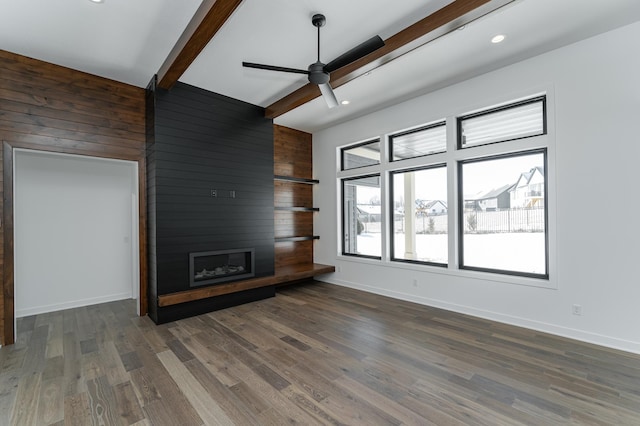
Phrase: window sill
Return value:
(550, 283)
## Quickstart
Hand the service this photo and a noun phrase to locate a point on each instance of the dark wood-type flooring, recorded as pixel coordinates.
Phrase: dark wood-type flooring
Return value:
(314, 354)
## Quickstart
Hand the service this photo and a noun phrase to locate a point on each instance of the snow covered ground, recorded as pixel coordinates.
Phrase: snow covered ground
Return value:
(522, 251)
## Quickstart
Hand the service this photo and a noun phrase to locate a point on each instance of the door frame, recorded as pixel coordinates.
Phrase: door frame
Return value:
(8, 334)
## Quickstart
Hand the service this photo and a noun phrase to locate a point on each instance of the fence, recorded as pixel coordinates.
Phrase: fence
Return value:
(507, 220)
(481, 222)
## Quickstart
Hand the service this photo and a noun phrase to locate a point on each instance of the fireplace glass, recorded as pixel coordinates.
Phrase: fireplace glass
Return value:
(212, 267)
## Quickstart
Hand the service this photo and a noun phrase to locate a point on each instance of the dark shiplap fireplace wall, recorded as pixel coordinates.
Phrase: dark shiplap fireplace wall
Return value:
(199, 142)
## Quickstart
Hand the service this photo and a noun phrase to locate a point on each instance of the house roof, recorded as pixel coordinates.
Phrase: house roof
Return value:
(527, 176)
(129, 41)
(493, 193)
(432, 203)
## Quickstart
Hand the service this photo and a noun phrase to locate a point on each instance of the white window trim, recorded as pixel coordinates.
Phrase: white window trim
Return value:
(451, 158)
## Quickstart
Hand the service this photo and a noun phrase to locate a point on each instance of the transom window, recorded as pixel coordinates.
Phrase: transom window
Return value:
(361, 155)
(481, 204)
(505, 123)
(419, 142)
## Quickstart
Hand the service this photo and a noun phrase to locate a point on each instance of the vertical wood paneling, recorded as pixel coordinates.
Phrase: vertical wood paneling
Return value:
(292, 158)
(51, 108)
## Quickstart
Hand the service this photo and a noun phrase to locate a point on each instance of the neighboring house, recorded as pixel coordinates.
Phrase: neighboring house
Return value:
(495, 199)
(431, 207)
(528, 191)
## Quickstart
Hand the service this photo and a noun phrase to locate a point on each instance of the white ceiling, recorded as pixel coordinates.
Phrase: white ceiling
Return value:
(128, 40)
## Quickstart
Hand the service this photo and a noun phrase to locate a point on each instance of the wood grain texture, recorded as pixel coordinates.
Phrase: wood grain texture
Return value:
(292, 155)
(395, 46)
(292, 152)
(8, 253)
(291, 194)
(314, 354)
(283, 274)
(200, 31)
(292, 223)
(50, 108)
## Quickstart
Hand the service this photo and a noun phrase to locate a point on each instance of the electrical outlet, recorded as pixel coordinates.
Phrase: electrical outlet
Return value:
(214, 193)
(415, 283)
(338, 269)
(576, 309)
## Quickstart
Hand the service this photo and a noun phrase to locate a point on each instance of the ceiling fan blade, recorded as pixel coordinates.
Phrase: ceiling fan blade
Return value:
(274, 68)
(363, 49)
(328, 95)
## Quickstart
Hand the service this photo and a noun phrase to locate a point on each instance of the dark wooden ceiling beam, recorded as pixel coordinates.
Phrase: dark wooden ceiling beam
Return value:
(439, 23)
(206, 22)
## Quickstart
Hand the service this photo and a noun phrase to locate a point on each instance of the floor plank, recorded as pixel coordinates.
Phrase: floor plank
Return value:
(314, 354)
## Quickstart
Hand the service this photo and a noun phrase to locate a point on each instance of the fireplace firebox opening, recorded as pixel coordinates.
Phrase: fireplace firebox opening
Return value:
(213, 267)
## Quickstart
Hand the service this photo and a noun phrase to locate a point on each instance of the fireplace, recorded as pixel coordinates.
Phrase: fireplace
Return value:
(213, 267)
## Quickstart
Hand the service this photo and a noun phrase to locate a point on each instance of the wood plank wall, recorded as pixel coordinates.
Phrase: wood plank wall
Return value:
(292, 158)
(51, 108)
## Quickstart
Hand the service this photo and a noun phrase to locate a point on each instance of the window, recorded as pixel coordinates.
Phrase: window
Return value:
(503, 215)
(361, 155)
(514, 121)
(420, 215)
(362, 216)
(419, 142)
(476, 204)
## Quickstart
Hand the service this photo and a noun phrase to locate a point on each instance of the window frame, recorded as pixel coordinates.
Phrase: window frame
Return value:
(451, 157)
(392, 258)
(343, 221)
(390, 138)
(460, 213)
(505, 107)
(357, 145)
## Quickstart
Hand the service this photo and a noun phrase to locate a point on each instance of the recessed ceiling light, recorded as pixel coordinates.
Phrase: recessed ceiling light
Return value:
(497, 39)
(97, 1)
(462, 28)
(345, 102)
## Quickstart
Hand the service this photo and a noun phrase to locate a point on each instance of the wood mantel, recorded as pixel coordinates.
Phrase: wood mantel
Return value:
(283, 274)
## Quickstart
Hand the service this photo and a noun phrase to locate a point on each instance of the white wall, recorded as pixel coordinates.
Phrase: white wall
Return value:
(73, 231)
(596, 95)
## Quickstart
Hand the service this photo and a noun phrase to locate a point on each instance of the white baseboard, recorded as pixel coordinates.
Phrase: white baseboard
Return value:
(597, 339)
(35, 310)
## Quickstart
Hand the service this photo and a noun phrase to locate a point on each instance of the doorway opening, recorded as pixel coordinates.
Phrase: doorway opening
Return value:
(75, 219)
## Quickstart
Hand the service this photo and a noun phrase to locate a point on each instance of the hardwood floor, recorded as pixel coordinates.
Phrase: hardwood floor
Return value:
(314, 354)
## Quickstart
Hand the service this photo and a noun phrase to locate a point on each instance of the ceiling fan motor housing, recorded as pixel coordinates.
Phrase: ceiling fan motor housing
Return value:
(318, 20)
(317, 74)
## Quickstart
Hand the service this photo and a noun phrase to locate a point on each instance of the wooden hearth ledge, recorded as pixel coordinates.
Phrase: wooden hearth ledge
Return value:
(283, 275)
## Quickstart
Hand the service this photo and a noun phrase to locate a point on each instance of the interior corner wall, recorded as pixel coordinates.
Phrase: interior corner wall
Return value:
(73, 231)
(596, 101)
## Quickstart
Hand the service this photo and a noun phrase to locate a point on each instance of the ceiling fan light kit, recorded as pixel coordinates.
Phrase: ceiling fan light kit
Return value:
(320, 73)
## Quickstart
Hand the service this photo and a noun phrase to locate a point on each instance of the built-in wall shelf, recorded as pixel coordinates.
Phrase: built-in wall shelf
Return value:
(295, 179)
(300, 238)
(299, 209)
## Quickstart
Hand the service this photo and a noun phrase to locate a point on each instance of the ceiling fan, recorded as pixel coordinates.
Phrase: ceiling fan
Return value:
(318, 72)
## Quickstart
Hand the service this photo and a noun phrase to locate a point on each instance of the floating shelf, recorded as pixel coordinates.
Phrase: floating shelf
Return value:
(299, 209)
(305, 238)
(295, 179)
